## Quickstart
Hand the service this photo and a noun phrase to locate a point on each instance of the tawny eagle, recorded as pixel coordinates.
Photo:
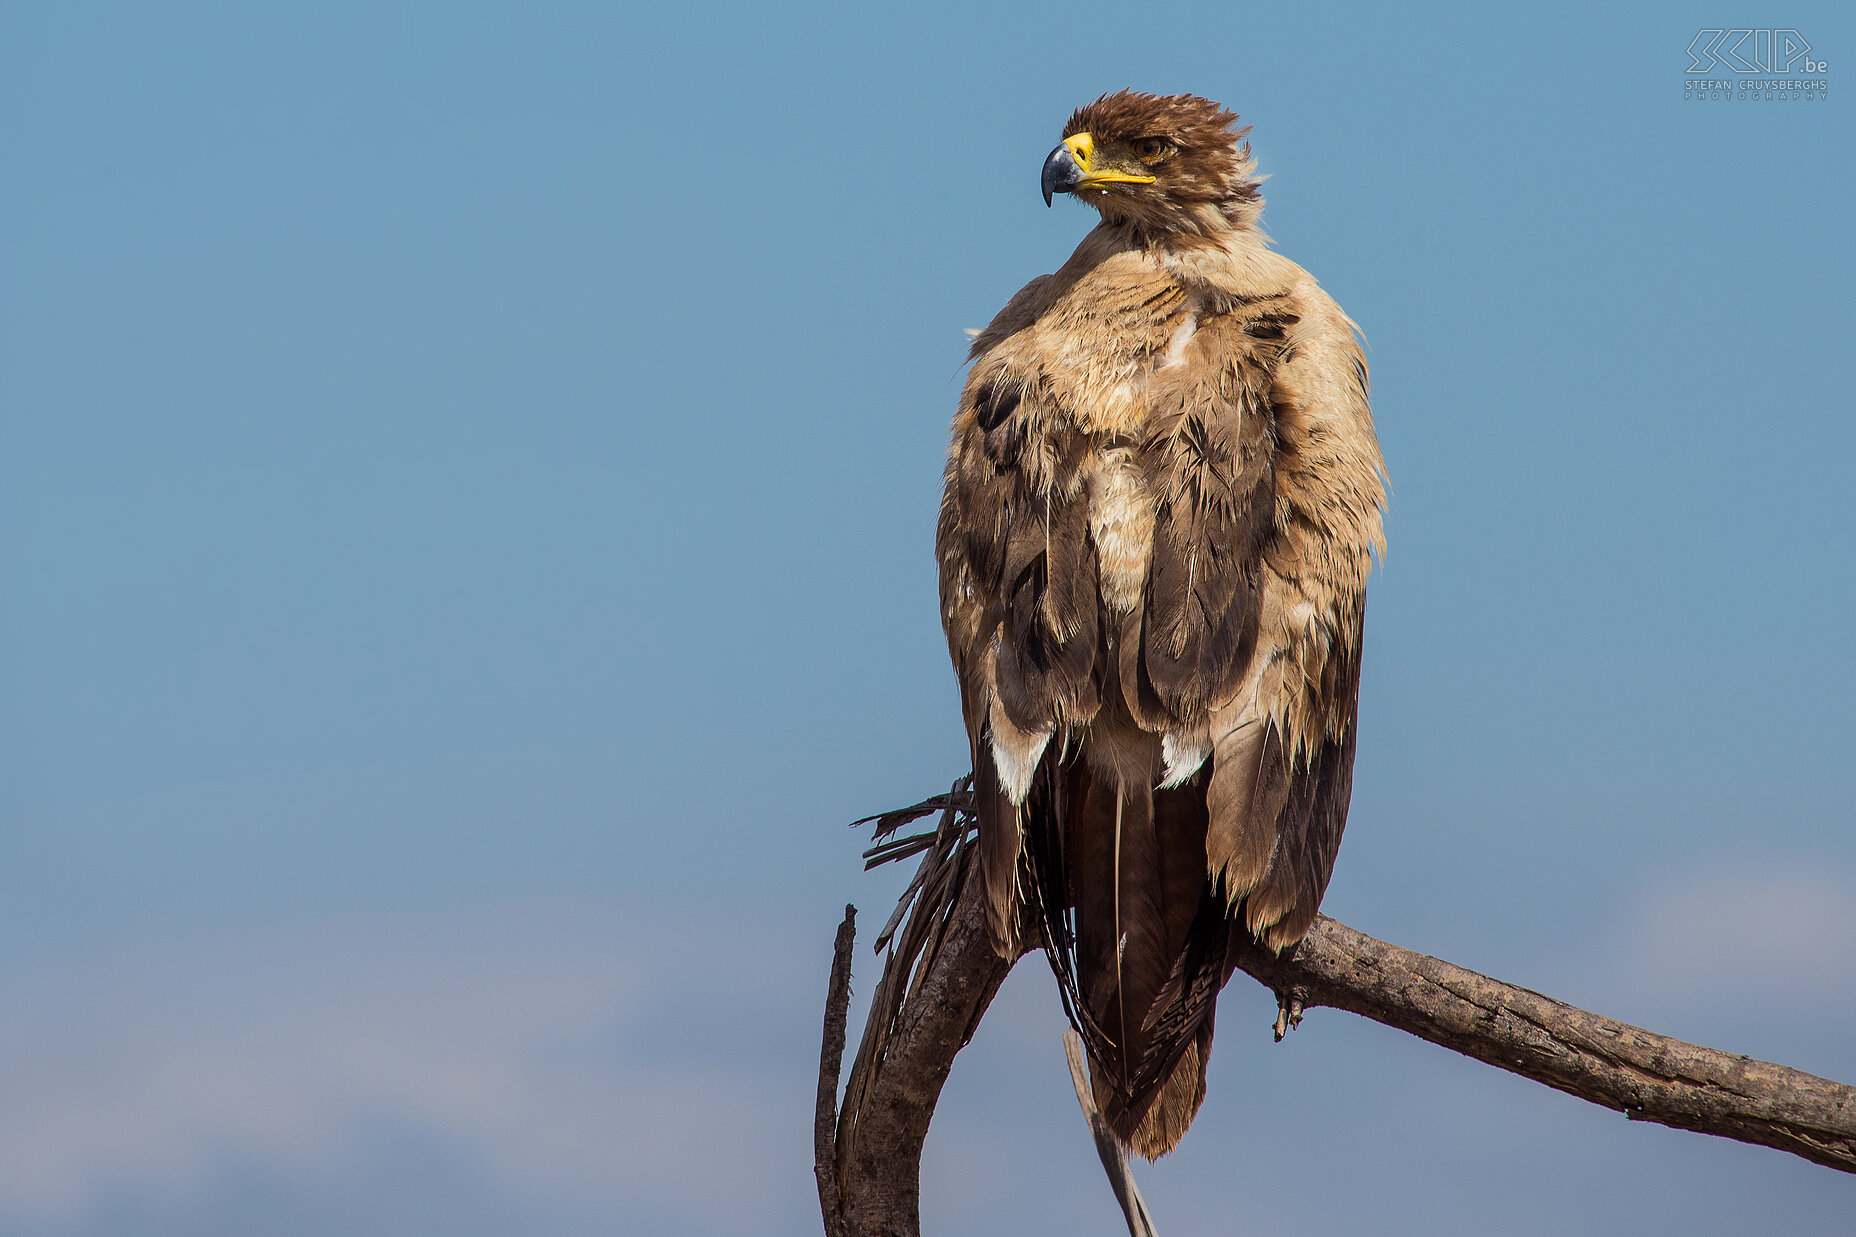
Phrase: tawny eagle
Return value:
(1163, 500)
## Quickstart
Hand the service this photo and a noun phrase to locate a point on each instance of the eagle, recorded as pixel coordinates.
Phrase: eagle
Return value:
(1163, 498)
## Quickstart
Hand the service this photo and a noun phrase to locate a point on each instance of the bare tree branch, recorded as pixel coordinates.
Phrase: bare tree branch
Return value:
(880, 1143)
(1646, 1076)
(941, 972)
(1109, 1149)
(939, 975)
(830, 1059)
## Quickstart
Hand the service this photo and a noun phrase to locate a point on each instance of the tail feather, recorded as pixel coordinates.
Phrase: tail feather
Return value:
(1149, 951)
(1139, 893)
(1177, 1102)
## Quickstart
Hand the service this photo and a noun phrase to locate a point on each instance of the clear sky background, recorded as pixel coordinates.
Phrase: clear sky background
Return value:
(467, 477)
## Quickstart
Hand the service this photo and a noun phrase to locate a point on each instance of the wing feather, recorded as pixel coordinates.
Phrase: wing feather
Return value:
(1208, 465)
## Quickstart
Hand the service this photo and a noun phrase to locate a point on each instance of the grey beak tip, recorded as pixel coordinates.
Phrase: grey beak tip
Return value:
(1060, 174)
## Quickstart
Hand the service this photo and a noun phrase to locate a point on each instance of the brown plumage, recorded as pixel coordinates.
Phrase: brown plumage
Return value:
(1163, 498)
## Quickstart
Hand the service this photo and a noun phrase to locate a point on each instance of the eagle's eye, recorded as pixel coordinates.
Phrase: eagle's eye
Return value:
(1152, 149)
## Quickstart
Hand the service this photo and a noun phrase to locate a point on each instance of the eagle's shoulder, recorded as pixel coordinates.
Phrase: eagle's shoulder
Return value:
(1106, 277)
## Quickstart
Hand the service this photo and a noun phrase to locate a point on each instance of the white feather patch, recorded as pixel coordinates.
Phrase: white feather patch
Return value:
(1176, 345)
(1017, 767)
(1015, 754)
(1182, 756)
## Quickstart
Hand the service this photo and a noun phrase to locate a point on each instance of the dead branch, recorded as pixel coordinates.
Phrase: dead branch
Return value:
(941, 972)
(1646, 1076)
(830, 1058)
(1109, 1149)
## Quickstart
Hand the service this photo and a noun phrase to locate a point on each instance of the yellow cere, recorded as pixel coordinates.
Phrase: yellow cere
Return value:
(1082, 149)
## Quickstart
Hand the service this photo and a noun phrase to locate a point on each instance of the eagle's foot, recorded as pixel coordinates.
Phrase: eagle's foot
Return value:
(1288, 1012)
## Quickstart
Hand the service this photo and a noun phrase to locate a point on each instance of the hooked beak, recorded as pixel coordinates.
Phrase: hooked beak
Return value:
(1061, 173)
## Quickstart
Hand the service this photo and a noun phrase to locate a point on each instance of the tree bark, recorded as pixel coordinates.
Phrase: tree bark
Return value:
(881, 1178)
(1646, 1076)
(869, 1172)
(830, 1060)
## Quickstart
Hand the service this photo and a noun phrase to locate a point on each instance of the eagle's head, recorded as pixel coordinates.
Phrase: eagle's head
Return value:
(1164, 163)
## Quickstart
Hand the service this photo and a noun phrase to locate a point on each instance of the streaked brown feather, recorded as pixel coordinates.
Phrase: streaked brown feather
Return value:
(1247, 786)
(1001, 849)
(1310, 823)
(1047, 655)
(1134, 690)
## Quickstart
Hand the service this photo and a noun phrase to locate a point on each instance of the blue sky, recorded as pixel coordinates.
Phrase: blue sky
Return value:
(467, 477)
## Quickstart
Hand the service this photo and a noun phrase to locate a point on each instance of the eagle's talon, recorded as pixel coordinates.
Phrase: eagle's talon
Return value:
(1288, 1012)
